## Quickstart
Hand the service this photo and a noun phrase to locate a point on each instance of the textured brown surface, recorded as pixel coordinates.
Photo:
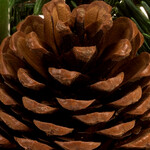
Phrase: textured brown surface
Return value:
(13, 123)
(140, 142)
(65, 77)
(36, 107)
(73, 81)
(5, 98)
(52, 129)
(5, 143)
(27, 81)
(32, 144)
(95, 118)
(118, 130)
(74, 145)
(110, 84)
(141, 108)
(128, 99)
(72, 104)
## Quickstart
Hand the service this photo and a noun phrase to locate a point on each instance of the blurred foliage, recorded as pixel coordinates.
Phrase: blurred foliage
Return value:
(111, 2)
(4, 19)
(19, 9)
(38, 6)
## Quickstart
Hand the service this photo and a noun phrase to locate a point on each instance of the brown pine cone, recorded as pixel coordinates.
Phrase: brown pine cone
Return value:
(74, 81)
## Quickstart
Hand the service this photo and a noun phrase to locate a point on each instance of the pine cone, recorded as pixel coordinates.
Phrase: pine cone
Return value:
(74, 81)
